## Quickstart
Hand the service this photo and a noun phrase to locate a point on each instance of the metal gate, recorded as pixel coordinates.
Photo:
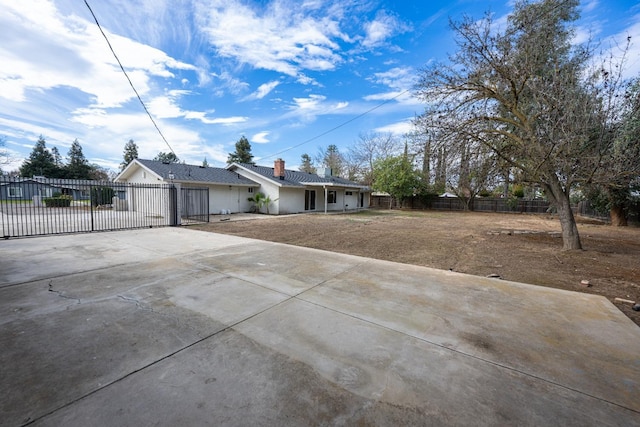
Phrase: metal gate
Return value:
(195, 204)
(40, 206)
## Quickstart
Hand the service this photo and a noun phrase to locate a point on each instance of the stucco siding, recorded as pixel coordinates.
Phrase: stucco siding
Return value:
(229, 198)
(291, 200)
(142, 176)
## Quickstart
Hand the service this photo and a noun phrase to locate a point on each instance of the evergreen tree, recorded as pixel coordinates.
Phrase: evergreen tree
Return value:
(77, 167)
(205, 164)
(57, 158)
(306, 164)
(40, 161)
(130, 153)
(332, 158)
(166, 157)
(242, 153)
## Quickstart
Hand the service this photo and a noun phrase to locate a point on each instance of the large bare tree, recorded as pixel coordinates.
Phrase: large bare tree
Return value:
(370, 147)
(526, 93)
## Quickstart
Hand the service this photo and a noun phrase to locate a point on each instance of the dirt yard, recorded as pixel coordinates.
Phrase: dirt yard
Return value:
(521, 248)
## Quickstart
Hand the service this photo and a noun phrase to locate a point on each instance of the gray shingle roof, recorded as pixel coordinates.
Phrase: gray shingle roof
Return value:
(298, 179)
(193, 173)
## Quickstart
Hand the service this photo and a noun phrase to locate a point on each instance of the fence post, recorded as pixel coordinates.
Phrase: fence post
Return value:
(175, 205)
(91, 193)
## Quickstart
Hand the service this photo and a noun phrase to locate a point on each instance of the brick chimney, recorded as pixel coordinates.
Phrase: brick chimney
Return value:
(278, 168)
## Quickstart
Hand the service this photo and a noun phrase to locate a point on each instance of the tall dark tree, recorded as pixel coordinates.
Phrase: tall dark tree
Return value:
(242, 153)
(77, 165)
(130, 153)
(169, 157)
(40, 161)
(57, 158)
(331, 158)
(306, 164)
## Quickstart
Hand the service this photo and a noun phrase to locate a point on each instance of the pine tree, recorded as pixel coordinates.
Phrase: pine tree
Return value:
(205, 164)
(242, 153)
(57, 158)
(166, 157)
(306, 164)
(130, 153)
(78, 167)
(40, 161)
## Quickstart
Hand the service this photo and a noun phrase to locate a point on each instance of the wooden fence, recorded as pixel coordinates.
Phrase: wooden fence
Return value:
(490, 204)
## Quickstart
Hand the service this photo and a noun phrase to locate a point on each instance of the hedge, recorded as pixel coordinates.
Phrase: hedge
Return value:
(58, 202)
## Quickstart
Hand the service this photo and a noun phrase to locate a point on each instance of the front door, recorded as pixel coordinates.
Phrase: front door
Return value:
(310, 200)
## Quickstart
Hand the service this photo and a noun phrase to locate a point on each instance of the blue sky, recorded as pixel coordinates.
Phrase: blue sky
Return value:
(278, 72)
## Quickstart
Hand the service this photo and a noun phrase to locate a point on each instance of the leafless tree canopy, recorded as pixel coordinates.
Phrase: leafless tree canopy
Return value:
(528, 96)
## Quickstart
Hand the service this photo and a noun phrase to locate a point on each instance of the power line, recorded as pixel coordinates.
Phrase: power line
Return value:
(129, 80)
(337, 127)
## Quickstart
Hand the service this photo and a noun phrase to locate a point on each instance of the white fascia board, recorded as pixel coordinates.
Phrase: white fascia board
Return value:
(256, 176)
(334, 184)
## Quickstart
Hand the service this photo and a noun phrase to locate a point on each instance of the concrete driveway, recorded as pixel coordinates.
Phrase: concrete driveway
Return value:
(179, 327)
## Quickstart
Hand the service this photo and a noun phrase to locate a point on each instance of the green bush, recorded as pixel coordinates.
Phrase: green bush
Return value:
(58, 202)
(102, 195)
(518, 190)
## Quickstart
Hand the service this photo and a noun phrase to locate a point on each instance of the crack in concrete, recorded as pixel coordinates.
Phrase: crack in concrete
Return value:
(138, 303)
(61, 295)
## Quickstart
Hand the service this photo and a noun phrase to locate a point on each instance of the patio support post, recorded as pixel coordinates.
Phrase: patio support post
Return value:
(325, 198)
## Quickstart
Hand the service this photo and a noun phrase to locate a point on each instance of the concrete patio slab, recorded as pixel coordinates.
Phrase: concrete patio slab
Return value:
(180, 327)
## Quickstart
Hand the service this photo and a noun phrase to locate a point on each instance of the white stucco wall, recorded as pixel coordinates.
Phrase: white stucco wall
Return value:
(291, 200)
(226, 197)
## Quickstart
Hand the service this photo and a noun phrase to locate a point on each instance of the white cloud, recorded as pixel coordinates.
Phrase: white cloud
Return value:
(260, 137)
(263, 90)
(283, 37)
(381, 29)
(398, 128)
(590, 6)
(400, 80)
(307, 109)
(167, 107)
(68, 51)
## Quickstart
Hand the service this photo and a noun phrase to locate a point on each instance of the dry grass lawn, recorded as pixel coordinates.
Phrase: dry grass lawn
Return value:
(521, 248)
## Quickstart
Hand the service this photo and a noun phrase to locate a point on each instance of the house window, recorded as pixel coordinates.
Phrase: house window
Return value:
(15, 192)
(349, 193)
(332, 196)
(250, 189)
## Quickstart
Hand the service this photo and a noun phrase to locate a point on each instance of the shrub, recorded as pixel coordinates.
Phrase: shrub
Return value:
(62, 201)
(102, 195)
(518, 190)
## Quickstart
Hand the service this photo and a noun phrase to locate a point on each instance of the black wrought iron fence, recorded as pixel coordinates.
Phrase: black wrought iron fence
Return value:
(39, 206)
(195, 204)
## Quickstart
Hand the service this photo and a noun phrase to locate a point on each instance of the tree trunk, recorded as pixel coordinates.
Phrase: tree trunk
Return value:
(560, 198)
(618, 216)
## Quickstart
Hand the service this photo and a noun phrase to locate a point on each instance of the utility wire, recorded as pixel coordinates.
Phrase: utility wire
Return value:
(337, 127)
(130, 82)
